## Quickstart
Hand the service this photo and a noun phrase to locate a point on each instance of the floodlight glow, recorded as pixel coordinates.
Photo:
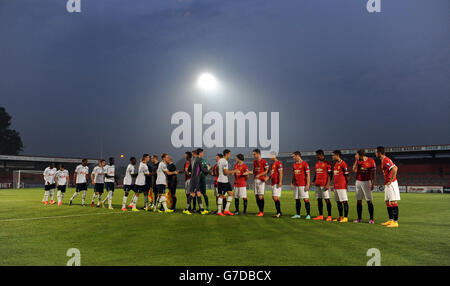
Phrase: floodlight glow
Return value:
(207, 82)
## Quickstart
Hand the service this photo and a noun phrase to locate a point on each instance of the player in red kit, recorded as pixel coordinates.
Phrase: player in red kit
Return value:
(240, 183)
(321, 181)
(365, 170)
(391, 190)
(300, 184)
(260, 170)
(276, 178)
(340, 175)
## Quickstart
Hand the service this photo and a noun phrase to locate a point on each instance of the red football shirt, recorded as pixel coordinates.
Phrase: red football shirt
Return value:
(323, 170)
(386, 166)
(365, 168)
(300, 170)
(340, 170)
(258, 167)
(275, 172)
(239, 179)
(186, 166)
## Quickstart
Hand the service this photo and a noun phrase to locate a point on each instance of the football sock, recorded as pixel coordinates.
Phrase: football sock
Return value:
(227, 206)
(298, 206)
(359, 210)
(45, 196)
(308, 207)
(205, 196)
(224, 202)
(339, 205)
(74, 196)
(52, 194)
(200, 204)
(162, 201)
(194, 204)
(174, 202)
(236, 204)
(99, 199)
(134, 201)
(258, 203)
(146, 201)
(278, 207)
(245, 205)
(370, 207)
(188, 203)
(124, 201)
(110, 195)
(389, 209)
(219, 205)
(93, 197)
(83, 199)
(58, 195)
(395, 211)
(320, 205)
(345, 209)
(187, 199)
(262, 204)
(328, 208)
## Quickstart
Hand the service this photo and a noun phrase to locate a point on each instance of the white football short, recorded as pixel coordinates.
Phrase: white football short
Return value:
(300, 193)
(322, 193)
(276, 191)
(340, 195)
(260, 187)
(392, 192)
(363, 190)
(240, 192)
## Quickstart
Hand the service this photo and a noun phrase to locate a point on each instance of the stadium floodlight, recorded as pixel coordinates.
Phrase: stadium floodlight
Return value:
(207, 82)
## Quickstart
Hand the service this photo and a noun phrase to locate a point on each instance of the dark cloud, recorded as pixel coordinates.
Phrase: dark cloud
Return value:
(110, 78)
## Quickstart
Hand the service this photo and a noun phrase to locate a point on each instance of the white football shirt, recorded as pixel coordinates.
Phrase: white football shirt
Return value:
(49, 175)
(61, 177)
(143, 170)
(80, 173)
(161, 176)
(129, 180)
(99, 175)
(222, 165)
(109, 170)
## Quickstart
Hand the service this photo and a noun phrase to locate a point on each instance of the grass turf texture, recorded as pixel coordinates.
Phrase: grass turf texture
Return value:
(34, 234)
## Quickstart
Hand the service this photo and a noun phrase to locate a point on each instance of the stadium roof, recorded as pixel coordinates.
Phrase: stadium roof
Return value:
(44, 159)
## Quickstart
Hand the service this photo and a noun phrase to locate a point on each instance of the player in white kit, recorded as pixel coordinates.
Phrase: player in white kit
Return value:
(140, 185)
(49, 188)
(110, 179)
(161, 184)
(62, 181)
(129, 181)
(98, 178)
(224, 187)
(81, 179)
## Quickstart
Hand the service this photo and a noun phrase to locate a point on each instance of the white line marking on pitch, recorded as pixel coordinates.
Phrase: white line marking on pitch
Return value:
(61, 216)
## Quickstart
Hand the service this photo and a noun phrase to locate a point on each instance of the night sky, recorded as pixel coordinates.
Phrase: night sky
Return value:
(107, 81)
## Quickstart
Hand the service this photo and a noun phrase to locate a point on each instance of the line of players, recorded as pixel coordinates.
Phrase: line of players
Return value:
(154, 179)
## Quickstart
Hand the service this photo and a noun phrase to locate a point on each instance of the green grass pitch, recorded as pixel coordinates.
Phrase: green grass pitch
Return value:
(34, 234)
